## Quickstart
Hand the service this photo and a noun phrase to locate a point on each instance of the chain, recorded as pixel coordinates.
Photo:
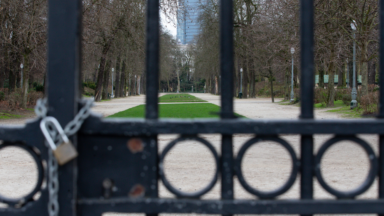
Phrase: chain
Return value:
(53, 184)
(71, 128)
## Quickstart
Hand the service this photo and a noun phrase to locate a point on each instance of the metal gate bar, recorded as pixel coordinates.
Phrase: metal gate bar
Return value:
(152, 70)
(306, 95)
(63, 77)
(226, 68)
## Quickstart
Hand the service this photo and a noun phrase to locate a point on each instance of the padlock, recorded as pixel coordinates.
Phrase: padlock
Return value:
(65, 151)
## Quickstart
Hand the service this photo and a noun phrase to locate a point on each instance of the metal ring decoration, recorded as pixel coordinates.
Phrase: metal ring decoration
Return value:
(169, 186)
(371, 174)
(267, 194)
(40, 175)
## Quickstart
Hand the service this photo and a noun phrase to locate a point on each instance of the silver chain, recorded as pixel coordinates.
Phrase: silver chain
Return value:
(53, 184)
(53, 168)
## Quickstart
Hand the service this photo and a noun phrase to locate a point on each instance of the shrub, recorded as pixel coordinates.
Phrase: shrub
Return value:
(261, 91)
(90, 94)
(33, 96)
(321, 96)
(338, 94)
(369, 103)
(346, 99)
(2, 96)
(14, 99)
(296, 91)
(38, 87)
(89, 84)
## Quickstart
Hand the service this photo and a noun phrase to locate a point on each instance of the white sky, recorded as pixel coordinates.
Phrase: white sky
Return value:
(168, 25)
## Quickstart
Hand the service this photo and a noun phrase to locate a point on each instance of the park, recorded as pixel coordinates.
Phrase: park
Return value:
(189, 107)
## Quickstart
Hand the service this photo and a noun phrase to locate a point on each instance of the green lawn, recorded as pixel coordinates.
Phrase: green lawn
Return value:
(198, 110)
(175, 98)
(4, 115)
(338, 103)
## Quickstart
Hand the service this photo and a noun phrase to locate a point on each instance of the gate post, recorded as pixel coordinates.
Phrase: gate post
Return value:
(64, 65)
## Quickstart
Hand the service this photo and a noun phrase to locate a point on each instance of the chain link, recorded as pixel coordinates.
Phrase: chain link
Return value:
(70, 129)
(73, 126)
(41, 108)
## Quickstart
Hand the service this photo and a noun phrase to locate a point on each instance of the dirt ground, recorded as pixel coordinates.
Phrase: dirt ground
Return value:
(190, 166)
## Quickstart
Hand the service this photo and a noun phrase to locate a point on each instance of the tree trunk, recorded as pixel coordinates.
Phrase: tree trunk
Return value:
(271, 81)
(106, 80)
(371, 72)
(18, 76)
(245, 79)
(100, 78)
(364, 78)
(216, 86)
(25, 86)
(178, 82)
(340, 78)
(11, 79)
(286, 84)
(331, 82)
(167, 85)
(321, 78)
(117, 78)
(123, 82)
(3, 66)
(251, 73)
(138, 85)
(101, 72)
(343, 76)
(296, 77)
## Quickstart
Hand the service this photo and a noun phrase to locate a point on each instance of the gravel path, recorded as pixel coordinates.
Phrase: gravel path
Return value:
(190, 166)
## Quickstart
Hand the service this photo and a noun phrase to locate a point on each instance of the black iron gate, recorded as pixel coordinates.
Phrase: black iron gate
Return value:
(123, 153)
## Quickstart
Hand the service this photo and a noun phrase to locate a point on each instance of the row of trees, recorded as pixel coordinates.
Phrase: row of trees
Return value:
(113, 37)
(265, 31)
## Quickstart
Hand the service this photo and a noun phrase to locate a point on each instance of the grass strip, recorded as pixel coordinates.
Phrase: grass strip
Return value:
(177, 98)
(4, 115)
(191, 111)
(347, 112)
(338, 103)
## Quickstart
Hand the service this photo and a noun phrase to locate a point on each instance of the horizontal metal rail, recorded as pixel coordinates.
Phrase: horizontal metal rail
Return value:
(97, 206)
(137, 127)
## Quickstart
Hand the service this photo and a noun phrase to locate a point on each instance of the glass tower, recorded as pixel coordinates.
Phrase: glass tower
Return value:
(187, 20)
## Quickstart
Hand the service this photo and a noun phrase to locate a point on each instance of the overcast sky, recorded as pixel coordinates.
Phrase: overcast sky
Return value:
(168, 25)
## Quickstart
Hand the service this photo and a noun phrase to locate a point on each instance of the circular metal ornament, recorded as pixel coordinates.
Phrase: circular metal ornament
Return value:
(40, 175)
(267, 194)
(169, 186)
(367, 182)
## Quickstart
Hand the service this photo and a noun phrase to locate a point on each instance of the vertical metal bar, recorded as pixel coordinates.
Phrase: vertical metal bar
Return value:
(152, 109)
(307, 85)
(306, 187)
(226, 67)
(381, 106)
(64, 62)
(307, 66)
(381, 167)
(226, 58)
(152, 59)
(381, 71)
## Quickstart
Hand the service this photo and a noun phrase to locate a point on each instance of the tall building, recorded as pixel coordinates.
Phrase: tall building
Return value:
(187, 20)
